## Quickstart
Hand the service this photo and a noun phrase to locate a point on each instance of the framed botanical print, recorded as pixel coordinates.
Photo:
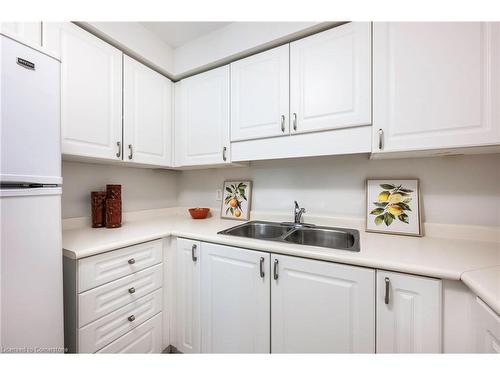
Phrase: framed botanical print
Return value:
(393, 206)
(237, 199)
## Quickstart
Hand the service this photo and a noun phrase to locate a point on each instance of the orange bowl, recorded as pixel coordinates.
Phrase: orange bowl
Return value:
(199, 213)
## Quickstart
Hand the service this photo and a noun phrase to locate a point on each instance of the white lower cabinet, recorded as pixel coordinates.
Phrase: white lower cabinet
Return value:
(146, 338)
(235, 300)
(321, 307)
(408, 313)
(487, 328)
(187, 317)
(112, 301)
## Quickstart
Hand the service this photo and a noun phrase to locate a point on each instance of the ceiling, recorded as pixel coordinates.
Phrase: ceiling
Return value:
(176, 34)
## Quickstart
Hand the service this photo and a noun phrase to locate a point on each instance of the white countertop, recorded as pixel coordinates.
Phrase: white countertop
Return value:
(486, 284)
(475, 262)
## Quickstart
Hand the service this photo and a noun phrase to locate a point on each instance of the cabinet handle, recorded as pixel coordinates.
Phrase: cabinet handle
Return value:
(275, 269)
(380, 139)
(224, 153)
(131, 318)
(131, 152)
(262, 274)
(131, 290)
(294, 121)
(131, 261)
(119, 153)
(282, 123)
(387, 285)
(193, 253)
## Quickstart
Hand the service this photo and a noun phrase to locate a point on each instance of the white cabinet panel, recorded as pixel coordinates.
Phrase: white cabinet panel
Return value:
(436, 85)
(408, 313)
(147, 114)
(235, 300)
(321, 307)
(260, 95)
(487, 328)
(91, 91)
(202, 119)
(100, 301)
(100, 269)
(330, 79)
(188, 329)
(144, 339)
(102, 332)
(30, 32)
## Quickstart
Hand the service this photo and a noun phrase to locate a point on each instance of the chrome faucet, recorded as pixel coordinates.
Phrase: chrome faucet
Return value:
(298, 213)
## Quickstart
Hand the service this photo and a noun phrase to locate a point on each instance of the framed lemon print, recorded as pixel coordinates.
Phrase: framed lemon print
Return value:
(393, 206)
(236, 202)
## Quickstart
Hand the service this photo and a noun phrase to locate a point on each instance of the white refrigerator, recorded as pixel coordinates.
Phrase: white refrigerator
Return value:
(31, 281)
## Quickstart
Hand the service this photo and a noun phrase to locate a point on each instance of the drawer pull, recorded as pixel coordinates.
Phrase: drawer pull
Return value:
(131, 261)
(131, 318)
(387, 286)
(193, 253)
(131, 290)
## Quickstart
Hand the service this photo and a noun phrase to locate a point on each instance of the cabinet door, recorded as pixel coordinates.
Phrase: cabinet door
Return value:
(91, 91)
(408, 313)
(26, 31)
(235, 300)
(202, 121)
(321, 307)
(188, 329)
(260, 95)
(147, 114)
(330, 79)
(436, 85)
(487, 328)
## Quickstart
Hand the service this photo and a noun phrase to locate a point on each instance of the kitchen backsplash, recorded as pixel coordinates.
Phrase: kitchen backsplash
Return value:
(142, 188)
(455, 189)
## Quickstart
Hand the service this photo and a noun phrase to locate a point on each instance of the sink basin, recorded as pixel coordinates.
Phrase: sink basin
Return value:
(309, 235)
(322, 237)
(259, 230)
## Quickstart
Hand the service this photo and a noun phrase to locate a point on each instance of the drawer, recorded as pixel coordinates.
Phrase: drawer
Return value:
(100, 301)
(103, 268)
(104, 331)
(146, 338)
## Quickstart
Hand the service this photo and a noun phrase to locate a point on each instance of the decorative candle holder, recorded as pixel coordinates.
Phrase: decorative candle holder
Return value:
(114, 191)
(98, 204)
(113, 213)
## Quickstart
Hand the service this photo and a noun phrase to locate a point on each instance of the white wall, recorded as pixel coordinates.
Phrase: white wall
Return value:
(236, 40)
(137, 41)
(455, 190)
(142, 189)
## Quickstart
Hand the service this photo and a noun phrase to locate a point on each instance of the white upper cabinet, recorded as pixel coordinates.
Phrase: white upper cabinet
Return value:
(187, 288)
(330, 79)
(235, 300)
(202, 119)
(147, 115)
(408, 313)
(91, 92)
(436, 85)
(260, 95)
(321, 307)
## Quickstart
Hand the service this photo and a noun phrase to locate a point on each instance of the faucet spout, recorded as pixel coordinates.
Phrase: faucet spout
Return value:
(298, 213)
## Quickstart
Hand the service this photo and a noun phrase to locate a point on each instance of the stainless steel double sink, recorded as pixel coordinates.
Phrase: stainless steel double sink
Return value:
(301, 234)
